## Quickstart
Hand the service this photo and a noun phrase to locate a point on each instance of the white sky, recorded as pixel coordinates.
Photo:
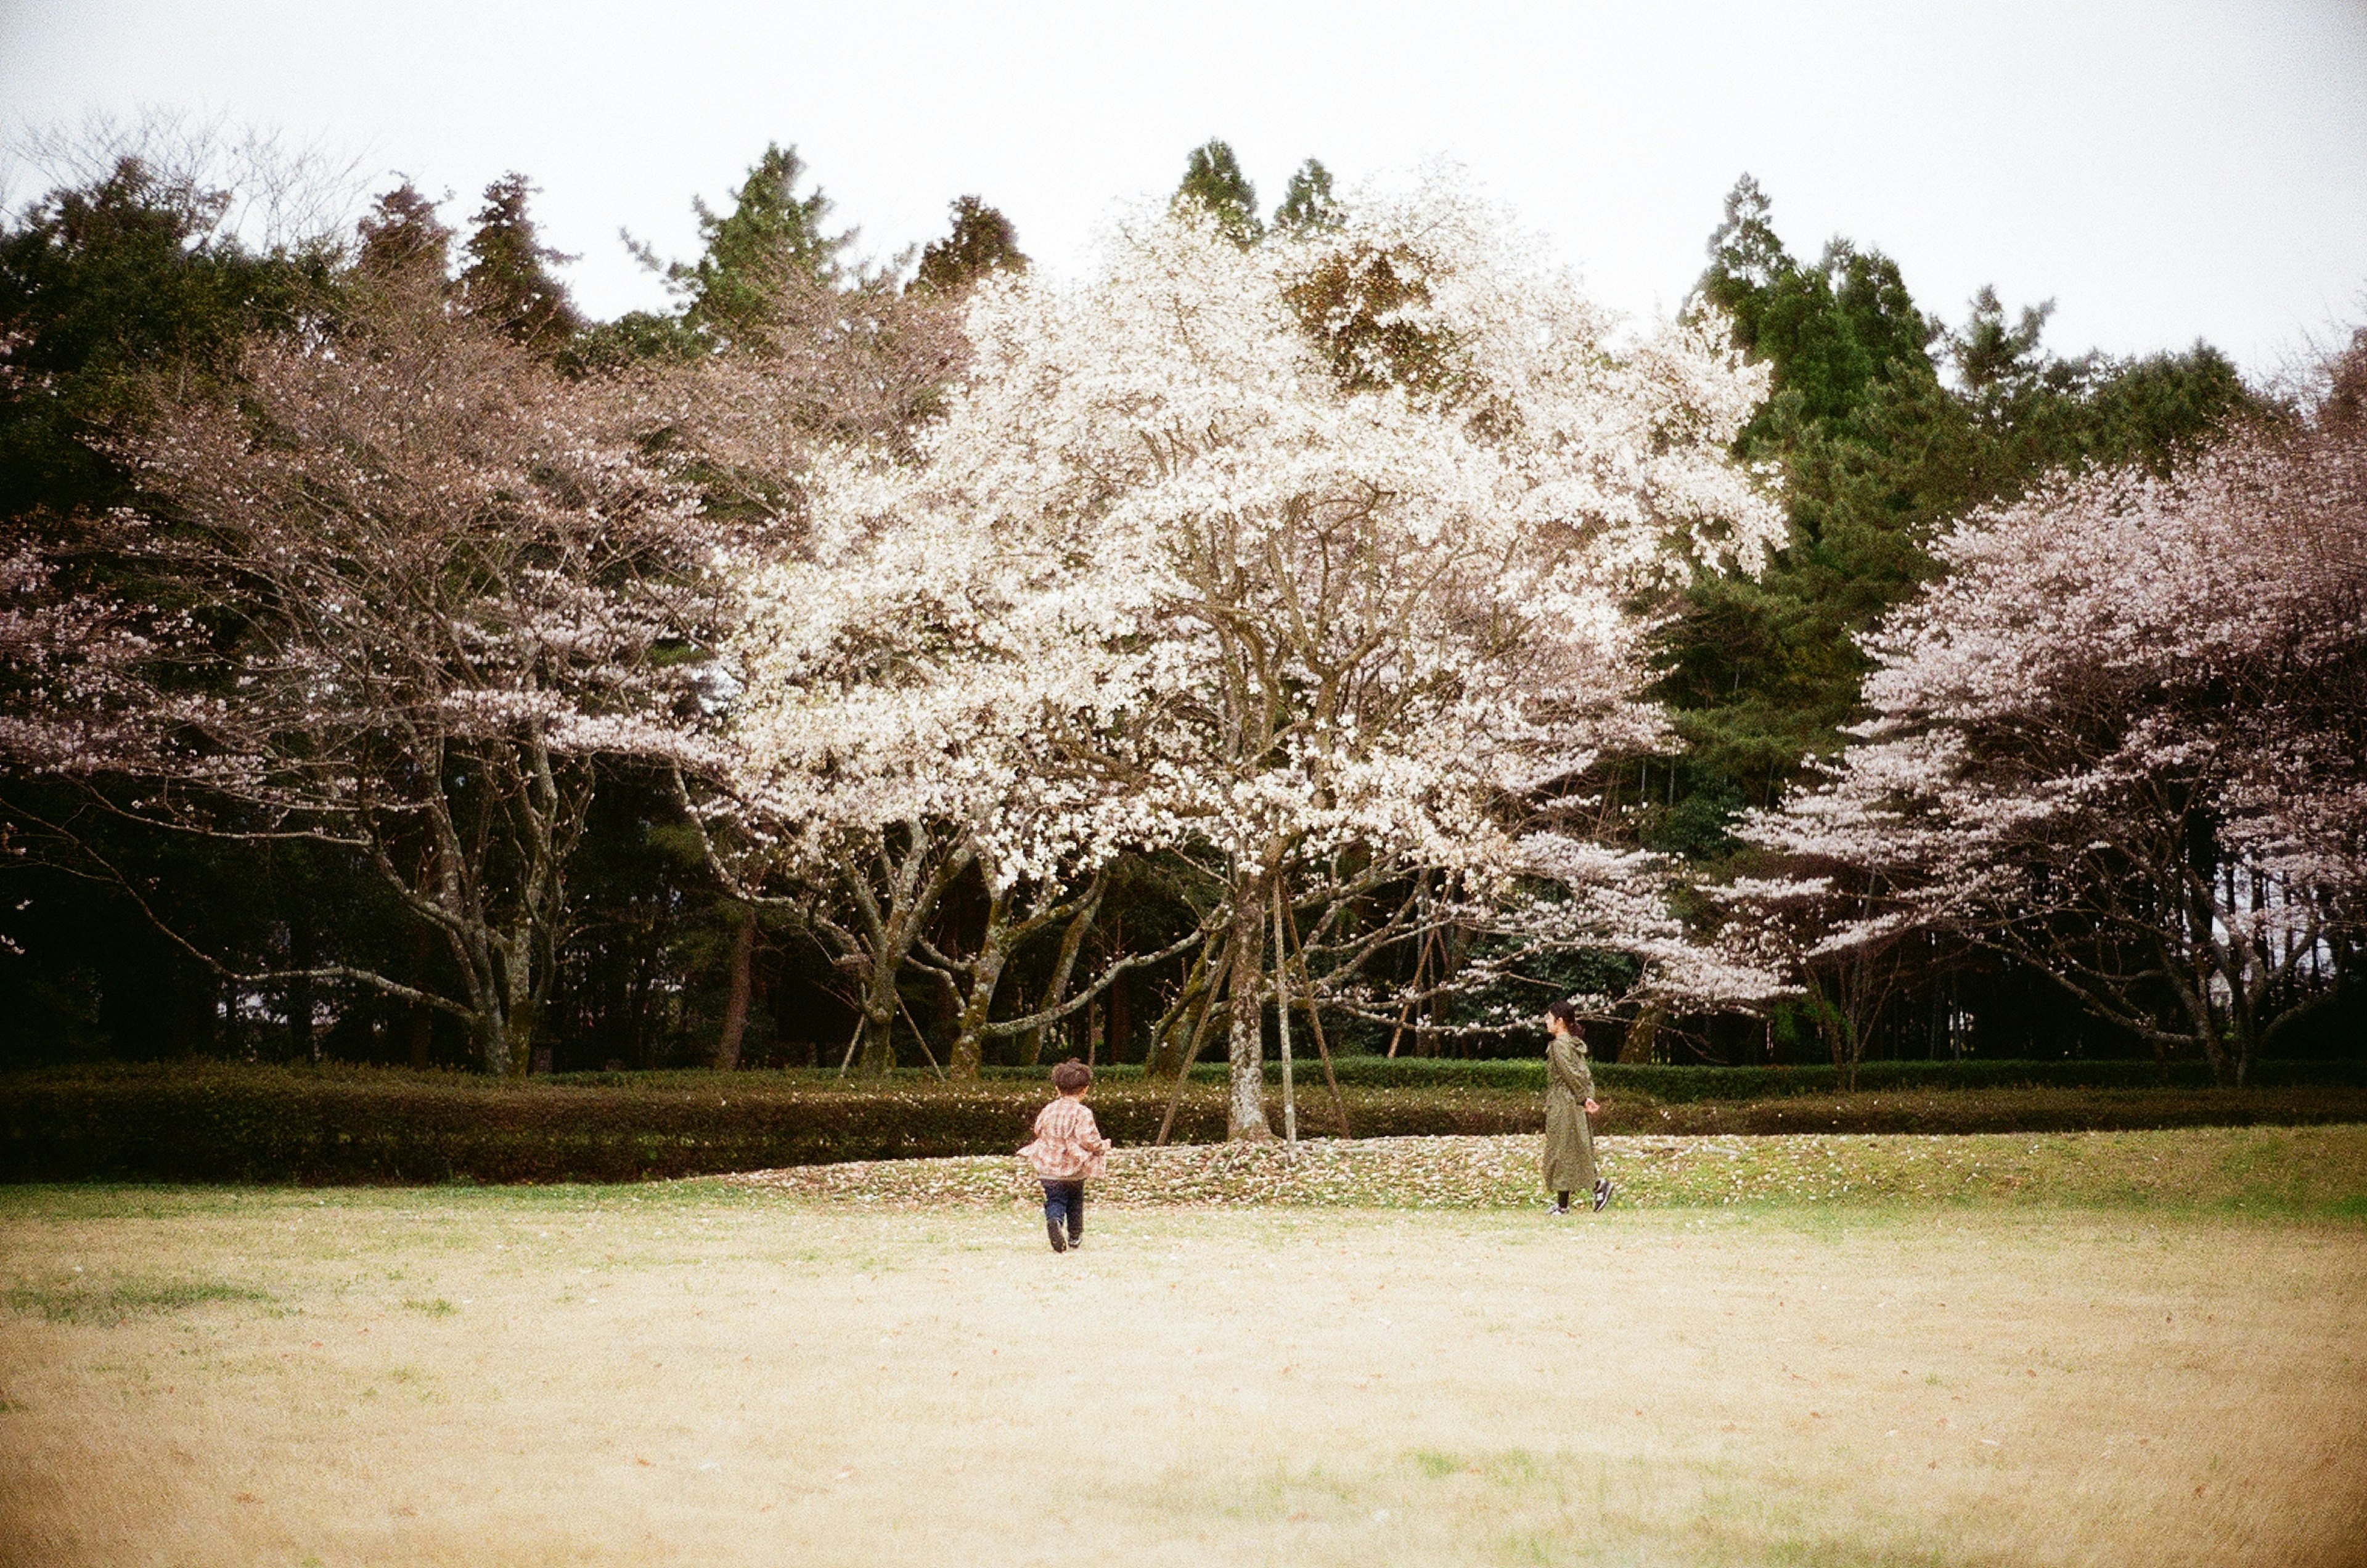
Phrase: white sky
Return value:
(2165, 169)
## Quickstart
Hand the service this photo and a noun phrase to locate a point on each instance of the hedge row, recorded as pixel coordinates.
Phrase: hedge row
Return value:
(1674, 1084)
(232, 1123)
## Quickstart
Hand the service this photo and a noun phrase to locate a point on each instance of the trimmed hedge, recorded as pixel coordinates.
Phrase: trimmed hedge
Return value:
(1675, 1084)
(218, 1122)
(222, 1123)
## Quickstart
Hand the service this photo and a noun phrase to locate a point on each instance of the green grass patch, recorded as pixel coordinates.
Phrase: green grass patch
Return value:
(110, 1301)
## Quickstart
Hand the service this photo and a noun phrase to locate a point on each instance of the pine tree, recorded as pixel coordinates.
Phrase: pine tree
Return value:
(402, 236)
(508, 281)
(1307, 203)
(982, 241)
(1878, 455)
(1213, 177)
(771, 235)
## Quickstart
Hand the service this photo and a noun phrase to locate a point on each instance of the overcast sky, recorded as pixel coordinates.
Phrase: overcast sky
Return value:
(2165, 170)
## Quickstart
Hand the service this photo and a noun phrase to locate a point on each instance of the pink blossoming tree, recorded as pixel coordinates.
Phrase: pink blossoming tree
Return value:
(397, 589)
(2124, 740)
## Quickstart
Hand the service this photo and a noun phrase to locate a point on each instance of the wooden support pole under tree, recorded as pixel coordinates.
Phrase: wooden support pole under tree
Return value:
(1281, 1016)
(1315, 1021)
(926, 1054)
(1421, 968)
(1199, 1038)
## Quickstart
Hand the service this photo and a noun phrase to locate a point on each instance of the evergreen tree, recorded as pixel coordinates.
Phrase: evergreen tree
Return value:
(1999, 363)
(105, 284)
(1213, 177)
(508, 281)
(1878, 454)
(109, 289)
(1307, 203)
(402, 236)
(771, 235)
(982, 241)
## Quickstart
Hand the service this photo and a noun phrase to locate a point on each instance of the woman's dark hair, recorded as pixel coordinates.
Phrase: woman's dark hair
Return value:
(1072, 1076)
(1567, 1011)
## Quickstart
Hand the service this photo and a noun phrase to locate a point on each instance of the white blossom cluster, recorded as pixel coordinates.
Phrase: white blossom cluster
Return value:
(1318, 550)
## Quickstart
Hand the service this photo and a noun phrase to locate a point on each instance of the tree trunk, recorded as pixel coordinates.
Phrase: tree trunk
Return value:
(518, 1020)
(1641, 1036)
(1064, 966)
(879, 1003)
(735, 1005)
(493, 1044)
(986, 973)
(995, 946)
(1245, 1101)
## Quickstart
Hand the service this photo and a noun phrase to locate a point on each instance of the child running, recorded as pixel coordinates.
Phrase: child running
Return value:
(1067, 1149)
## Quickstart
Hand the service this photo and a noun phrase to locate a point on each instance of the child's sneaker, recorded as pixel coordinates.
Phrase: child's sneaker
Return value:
(1602, 1194)
(1059, 1233)
(1075, 1242)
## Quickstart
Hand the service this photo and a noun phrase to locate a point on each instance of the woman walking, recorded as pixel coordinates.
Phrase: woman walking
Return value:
(1570, 1100)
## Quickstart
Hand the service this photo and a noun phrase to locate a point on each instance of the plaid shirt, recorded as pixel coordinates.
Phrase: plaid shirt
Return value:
(1068, 1145)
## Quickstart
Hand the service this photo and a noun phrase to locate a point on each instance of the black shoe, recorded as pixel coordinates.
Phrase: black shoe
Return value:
(1075, 1242)
(1059, 1236)
(1601, 1195)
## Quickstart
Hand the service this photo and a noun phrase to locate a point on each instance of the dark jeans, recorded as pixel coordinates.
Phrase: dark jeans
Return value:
(1064, 1205)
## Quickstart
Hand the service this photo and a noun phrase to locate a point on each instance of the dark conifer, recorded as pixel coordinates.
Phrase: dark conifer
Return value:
(402, 236)
(508, 281)
(982, 241)
(1308, 204)
(771, 236)
(1213, 177)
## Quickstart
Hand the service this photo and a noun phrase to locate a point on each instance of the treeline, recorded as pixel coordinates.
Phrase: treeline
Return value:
(224, 460)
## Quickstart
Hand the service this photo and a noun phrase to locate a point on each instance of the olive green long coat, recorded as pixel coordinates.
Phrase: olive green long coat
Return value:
(1570, 1144)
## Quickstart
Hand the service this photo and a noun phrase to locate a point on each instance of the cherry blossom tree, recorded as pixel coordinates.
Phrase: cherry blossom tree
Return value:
(892, 743)
(396, 589)
(2124, 739)
(818, 357)
(1313, 562)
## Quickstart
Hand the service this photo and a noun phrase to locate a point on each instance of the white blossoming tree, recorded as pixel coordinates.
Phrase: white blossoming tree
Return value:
(2124, 740)
(1313, 561)
(892, 740)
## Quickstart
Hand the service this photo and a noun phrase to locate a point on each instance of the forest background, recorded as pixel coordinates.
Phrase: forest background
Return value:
(141, 280)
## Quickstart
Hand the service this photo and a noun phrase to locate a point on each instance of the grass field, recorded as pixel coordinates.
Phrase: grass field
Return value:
(2111, 1348)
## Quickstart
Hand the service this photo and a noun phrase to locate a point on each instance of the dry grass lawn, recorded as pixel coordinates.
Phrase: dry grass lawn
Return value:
(713, 1374)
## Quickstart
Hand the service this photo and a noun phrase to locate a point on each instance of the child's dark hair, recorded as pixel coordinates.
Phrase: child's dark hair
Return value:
(1566, 1010)
(1072, 1076)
